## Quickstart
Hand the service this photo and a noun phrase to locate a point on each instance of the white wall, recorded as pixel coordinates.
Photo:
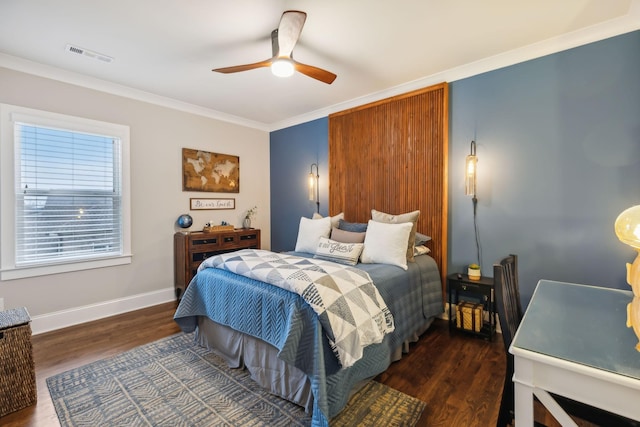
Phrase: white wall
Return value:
(158, 135)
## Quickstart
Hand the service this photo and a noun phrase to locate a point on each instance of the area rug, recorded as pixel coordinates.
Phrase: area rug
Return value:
(175, 382)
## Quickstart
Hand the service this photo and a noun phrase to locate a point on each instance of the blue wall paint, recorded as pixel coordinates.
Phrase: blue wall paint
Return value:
(293, 150)
(559, 158)
(558, 142)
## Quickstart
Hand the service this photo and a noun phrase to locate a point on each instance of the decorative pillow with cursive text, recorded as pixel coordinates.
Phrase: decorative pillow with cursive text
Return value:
(342, 253)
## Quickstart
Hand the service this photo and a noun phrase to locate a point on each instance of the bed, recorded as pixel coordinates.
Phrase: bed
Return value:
(277, 336)
(402, 167)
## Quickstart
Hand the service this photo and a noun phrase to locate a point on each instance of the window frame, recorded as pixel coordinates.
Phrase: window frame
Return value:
(9, 114)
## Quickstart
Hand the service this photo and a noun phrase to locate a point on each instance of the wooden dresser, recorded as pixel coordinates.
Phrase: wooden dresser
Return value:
(191, 248)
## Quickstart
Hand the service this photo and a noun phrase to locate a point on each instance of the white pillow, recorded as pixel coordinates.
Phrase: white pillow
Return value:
(343, 253)
(335, 220)
(396, 219)
(420, 250)
(309, 233)
(386, 243)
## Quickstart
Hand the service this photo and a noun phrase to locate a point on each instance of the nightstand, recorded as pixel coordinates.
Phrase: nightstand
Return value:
(481, 290)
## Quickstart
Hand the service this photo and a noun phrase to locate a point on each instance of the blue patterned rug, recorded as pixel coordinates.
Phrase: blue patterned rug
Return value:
(175, 382)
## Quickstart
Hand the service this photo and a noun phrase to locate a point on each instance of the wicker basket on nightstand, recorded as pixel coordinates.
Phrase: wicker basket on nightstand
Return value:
(17, 371)
(216, 228)
(469, 316)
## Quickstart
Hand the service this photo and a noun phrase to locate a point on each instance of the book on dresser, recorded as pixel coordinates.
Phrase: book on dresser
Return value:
(191, 248)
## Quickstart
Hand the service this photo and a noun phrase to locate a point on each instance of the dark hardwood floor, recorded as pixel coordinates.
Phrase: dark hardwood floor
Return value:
(459, 376)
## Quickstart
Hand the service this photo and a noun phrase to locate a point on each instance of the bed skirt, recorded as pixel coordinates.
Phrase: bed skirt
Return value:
(260, 358)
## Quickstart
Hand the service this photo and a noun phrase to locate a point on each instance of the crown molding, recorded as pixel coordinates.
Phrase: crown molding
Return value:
(77, 79)
(621, 25)
(614, 27)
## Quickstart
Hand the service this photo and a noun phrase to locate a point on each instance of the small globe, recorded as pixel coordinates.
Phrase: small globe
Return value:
(185, 221)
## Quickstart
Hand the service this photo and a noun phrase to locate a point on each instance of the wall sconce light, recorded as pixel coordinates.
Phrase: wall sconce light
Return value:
(627, 228)
(470, 176)
(470, 171)
(314, 189)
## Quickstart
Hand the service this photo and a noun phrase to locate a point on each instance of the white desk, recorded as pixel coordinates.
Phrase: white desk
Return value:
(573, 341)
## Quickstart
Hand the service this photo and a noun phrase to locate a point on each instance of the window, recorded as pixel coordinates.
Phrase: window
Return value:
(65, 196)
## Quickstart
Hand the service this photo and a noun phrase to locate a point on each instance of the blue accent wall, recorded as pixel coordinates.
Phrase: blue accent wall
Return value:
(558, 143)
(293, 150)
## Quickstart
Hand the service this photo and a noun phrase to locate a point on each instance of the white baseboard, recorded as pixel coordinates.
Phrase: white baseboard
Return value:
(74, 316)
(62, 319)
(445, 315)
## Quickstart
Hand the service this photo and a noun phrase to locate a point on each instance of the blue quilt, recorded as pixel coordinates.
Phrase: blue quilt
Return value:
(284, 320)
(349, 306)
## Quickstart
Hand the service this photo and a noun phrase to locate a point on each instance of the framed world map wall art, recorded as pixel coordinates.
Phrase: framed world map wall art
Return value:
(211, 172)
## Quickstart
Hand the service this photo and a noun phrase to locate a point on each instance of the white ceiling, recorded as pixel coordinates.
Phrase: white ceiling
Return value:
(164, 50)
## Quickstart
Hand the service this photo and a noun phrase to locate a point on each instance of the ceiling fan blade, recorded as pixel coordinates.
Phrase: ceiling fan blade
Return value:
(289, 31)
(245, 67)
(315, 72)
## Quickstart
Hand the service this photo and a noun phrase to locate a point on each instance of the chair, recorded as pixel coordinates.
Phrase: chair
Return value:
(509, 308)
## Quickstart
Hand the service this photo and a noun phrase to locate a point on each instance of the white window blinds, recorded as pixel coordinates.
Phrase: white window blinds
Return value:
(68, 195)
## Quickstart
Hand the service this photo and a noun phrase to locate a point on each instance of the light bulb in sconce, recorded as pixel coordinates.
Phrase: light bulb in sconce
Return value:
(470, 172)
(627, 228)
(314, 190)
(312, 187)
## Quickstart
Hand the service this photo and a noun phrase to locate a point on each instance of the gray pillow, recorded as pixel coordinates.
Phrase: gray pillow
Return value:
(421, 239)
(356, 227)
(344, 236)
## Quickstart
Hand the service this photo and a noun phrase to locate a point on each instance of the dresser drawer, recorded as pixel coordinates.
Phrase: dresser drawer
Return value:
(249, 239)
(205, 243)
(229, 241)
(201, 256)
(467, 287)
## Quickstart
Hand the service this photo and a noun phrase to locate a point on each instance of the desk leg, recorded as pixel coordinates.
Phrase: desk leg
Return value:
(556, 410)
(523, 405)
(492, 315)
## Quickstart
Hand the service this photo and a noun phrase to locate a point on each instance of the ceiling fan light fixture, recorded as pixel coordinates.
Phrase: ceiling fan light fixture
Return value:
(283, 40)
(282, 67)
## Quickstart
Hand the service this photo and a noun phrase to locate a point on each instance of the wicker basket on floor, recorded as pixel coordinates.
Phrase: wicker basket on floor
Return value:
(17, 370)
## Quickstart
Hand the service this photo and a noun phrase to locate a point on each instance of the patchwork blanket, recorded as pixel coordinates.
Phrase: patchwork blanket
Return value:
(350, 309)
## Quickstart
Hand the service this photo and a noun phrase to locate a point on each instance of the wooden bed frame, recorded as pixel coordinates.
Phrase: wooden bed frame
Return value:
(392, 156)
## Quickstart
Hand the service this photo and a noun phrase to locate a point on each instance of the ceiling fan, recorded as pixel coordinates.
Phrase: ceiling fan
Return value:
(283, 39)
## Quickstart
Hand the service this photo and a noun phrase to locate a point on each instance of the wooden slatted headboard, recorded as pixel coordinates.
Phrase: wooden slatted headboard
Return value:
(392, 156)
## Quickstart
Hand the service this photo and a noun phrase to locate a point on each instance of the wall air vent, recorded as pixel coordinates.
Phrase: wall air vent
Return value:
(88, 53)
